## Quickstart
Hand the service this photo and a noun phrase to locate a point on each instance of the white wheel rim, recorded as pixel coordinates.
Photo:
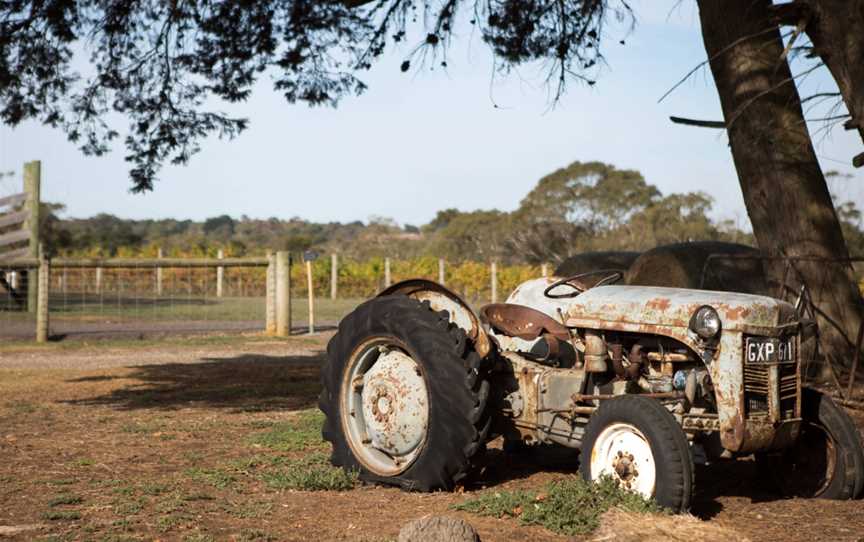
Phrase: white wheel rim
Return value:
(623, 453)
(385, 407)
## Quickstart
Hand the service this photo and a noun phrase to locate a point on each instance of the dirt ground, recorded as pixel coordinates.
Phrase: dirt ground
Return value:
(160, 441)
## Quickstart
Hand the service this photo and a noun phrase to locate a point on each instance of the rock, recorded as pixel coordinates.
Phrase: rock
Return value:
(438, 529)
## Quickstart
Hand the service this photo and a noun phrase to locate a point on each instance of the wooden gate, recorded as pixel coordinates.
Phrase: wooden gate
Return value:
(19, 237)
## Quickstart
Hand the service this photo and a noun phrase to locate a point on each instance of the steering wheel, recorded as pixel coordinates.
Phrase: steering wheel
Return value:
(575, 282)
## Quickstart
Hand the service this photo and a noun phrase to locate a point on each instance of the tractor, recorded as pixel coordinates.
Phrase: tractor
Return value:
(641, 380)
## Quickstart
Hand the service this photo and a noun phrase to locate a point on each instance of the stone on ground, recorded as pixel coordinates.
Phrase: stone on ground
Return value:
(438, 529)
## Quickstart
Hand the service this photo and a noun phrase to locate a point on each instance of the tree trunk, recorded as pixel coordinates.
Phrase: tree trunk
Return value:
(836, 29)
(784, 189)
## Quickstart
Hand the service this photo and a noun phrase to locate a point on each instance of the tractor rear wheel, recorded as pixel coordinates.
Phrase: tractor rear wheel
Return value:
(826, 461)
(404, 396)
(637, 442)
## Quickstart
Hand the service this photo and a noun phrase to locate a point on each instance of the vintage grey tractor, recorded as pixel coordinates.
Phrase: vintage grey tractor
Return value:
(642, 380)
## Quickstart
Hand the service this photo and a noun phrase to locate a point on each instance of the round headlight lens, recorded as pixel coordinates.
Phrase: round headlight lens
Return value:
(705, 322)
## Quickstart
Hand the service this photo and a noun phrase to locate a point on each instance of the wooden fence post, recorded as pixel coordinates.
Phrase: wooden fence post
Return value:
(159, 274)
(334, 275)
(33, 188)
(387, 280)
(98, 280)
(544, 270)
(43, 291)
(441, 271)
(270, 296)
(311, 290)
(494, 282)
(283, 294)
(220, 274)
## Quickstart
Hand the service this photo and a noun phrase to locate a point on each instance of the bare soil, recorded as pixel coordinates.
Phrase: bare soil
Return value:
(157, 441)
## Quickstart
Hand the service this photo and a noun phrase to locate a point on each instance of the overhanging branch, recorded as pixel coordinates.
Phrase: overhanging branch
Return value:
(700, 123)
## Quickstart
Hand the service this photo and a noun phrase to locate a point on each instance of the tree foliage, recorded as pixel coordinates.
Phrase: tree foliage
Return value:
(161, 64)
(573, 209)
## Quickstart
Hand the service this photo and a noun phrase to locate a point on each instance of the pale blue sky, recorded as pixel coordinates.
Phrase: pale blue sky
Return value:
(421, 142)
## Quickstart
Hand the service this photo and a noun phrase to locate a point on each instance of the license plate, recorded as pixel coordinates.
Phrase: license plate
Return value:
(769, 350)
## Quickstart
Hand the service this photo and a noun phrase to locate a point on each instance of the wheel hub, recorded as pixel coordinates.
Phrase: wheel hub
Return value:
(622, 452)
(394, 404)
(624, 465)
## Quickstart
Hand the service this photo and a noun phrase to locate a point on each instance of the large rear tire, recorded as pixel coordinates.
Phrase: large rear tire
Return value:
(827, 460)
(638, 443)
(404, 396)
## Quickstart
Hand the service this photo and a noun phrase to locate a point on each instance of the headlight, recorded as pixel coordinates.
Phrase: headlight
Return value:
(705, 322)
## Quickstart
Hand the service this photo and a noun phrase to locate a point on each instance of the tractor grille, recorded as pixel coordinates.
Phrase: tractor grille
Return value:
(788, 390)
(758, 389)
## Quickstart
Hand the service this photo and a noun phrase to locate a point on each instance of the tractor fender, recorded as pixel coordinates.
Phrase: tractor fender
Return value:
(441, 298)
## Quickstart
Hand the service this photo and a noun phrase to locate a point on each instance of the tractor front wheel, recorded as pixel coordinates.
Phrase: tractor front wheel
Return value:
(637, 442)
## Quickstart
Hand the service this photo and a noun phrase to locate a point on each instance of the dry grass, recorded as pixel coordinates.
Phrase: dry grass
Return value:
(621, 526)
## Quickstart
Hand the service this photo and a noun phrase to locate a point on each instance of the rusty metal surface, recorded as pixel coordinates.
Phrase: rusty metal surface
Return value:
(673, 307)
(440, 298)
(530, 294)
(559, 419)
(527, 376)
(523, 322)
(595, 352)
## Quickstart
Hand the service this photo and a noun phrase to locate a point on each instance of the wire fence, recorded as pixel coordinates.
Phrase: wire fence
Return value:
(150, 296)
(88, 301)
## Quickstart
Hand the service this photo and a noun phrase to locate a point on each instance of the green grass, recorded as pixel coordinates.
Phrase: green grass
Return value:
(128, 507)
(227, 338)
(301, 433)
(255, 535)
(218, 478)
(312, 473)
(252, 510)
(22, 407)
(139, 428)
(66, 498)
(61, 515)
(571, 506)
(147, 307)
(155, 488)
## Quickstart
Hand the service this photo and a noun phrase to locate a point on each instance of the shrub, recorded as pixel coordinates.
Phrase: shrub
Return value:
(571, 506)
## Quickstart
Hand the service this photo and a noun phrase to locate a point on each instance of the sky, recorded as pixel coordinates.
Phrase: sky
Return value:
(428, 140)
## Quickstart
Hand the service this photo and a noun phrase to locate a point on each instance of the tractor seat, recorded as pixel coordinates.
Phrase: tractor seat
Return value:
(523, 322)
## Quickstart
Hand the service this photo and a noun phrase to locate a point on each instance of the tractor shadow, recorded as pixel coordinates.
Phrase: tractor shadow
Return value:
(246, 383)
(499, 467)
(730, 478)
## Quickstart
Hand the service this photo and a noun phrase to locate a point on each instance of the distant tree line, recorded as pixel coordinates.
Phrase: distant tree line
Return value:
(582, 207)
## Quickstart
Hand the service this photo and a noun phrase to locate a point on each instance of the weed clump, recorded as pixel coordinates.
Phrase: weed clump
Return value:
(301, 433)
(571, 506)
(312, 473)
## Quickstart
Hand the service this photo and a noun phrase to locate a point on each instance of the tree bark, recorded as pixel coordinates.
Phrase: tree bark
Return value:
(784, 189)
(836, 29)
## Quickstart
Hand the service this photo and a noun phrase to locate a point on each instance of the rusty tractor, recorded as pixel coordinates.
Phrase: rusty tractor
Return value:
(641, 380)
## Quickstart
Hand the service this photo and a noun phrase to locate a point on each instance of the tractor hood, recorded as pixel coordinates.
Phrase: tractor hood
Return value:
(653, 305)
